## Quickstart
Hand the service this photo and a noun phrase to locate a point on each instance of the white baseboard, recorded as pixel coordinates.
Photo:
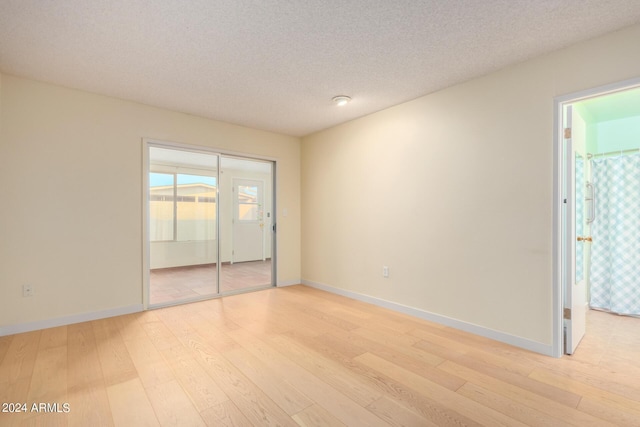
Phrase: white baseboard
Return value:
(288, 283)
(69, 320)
(516, 341)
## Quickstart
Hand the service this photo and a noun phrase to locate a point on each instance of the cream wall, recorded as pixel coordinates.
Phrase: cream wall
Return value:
(71, 196)
(454, 192)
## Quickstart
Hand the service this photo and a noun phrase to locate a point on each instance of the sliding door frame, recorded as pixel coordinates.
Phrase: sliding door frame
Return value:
(148, 143)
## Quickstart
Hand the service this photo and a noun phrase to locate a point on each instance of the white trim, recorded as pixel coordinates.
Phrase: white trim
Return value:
(558, 226)
(437, 318)
(558, 230)
(69, 320)
(146, 244)
(598, 91)
(288, 283)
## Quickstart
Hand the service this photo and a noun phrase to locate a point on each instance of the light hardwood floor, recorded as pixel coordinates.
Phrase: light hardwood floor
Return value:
(300, 356)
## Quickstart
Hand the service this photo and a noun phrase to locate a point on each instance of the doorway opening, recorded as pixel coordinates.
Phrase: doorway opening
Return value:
(194, 199)
(597, 147)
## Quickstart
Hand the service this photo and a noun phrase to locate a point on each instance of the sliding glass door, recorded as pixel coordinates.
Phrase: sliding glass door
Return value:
(209, 224)
(248, 203)
(183, 248)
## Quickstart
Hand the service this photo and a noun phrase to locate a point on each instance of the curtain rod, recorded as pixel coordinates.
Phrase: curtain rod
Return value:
(611, 153)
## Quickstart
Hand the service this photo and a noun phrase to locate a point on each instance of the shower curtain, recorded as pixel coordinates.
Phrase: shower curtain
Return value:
(615, 251)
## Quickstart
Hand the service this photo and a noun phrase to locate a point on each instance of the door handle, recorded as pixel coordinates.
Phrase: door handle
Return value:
(591, 198)
(585, 239)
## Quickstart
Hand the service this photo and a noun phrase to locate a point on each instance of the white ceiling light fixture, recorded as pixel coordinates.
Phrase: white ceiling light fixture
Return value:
(341, 100)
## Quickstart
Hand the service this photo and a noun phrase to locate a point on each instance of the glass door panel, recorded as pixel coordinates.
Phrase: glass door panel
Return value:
(183, 242)
(247, 201)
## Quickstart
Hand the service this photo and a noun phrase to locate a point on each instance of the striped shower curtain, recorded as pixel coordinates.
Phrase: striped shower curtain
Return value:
(615, 251)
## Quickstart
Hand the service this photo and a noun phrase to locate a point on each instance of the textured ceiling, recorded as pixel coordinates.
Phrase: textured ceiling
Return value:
(276, 64)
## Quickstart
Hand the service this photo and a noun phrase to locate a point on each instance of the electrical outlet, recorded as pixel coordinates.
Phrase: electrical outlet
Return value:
(385, 271)
(27, 290)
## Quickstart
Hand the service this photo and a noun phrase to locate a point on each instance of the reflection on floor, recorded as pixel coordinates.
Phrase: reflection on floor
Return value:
(182, 283)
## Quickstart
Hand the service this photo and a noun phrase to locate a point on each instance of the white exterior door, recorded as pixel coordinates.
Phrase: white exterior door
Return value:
(577, 237)
(248, 220)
